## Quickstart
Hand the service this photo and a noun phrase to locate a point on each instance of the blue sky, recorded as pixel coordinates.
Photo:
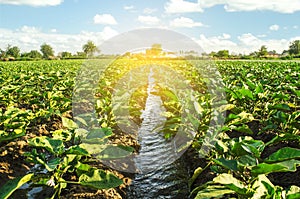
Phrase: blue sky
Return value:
(238, 25)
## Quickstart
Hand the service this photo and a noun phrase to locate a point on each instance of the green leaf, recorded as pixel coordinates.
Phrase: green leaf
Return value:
(265, 168)
(213, 192)
(99, 133)
(52, 145)
(283, 107)
(229, 164)
(6, 136)
(77, 150)
(197, 172)
(99, 179)
(283, 137)
(293, 192)
(247, 160)
(68, 123)
(14, 184)
(283, 154)
(231, 182)
(246, 93)
(260, 189)
(62, 134)
(243, 129)
(115, 151)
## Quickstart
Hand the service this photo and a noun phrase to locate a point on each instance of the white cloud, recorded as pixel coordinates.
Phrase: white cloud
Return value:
(29, 29)
(104, 19)
(274, 27)
(246, 43)
(131, 7)
(262, 35)
(282, 6)
(148, 20)
(295, 27)
(224, 36)
(32, 40)
(252, 43)
(216, 43)
(185, 22)
(149, 10)
(53, 30)
(181, 6)
(35, 3)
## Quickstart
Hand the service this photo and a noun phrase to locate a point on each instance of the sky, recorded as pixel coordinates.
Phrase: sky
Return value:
(241, 26)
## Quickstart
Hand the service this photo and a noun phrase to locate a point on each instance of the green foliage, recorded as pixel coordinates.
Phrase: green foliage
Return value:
(263, 100)
(47, 51)
(11, 186)
(90, 48)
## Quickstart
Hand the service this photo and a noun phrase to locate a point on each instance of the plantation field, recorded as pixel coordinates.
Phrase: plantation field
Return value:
(45, 144)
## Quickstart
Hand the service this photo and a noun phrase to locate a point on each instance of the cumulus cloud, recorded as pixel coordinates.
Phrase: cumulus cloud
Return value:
(131, 7)
(181, 6)
(104, 19)
(148, 20)
(28, 40)
(274, 27)
(282, 6)
(216, 43)
(245, 43)
(35, 3)
(149, 10)
(185, 22)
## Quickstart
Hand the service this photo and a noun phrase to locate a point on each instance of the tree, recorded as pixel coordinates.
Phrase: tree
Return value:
(66, 54)
(223, 54)
(34, 54)
(2, 53)
(13, 51)
(90, 48)
(47, 51)
(156, 49)
(263, 51)
(294, 48)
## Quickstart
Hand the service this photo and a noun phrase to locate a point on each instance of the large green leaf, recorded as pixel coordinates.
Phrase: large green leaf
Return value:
(214, 191)
(12, 185)
(265, 168)
(246, 93)
(231, 182)
(99, 179)
(54, 146)
(6, 136)
(68, 123)
(229, 164)
(283, 107)
(293, 192)
(283, 154)
(115, 151)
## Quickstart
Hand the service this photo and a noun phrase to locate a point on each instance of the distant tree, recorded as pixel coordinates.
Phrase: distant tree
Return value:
(294, 48)
(222, 54)
(156, 49)
(66, 54)
(34, 54)
(2, 53)
(263, 51)
(47, 51)
(90, 48)
(12, 51)
(212, 54)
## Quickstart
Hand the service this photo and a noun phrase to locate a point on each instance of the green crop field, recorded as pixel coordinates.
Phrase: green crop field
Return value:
(256, 153)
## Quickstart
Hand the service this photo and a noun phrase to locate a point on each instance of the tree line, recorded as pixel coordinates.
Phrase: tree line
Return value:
(46, 52)
(89, 49)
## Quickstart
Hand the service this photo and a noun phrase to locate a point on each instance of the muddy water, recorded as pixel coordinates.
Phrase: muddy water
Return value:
(158, 178)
